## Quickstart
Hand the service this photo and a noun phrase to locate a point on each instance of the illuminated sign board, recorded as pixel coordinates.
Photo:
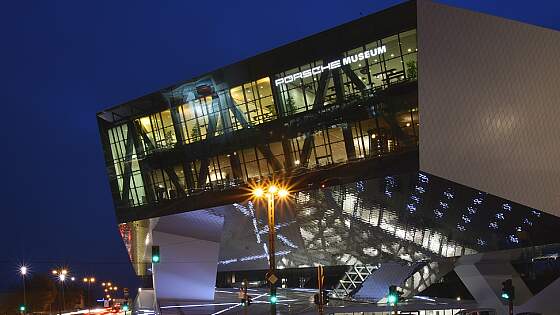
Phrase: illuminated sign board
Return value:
(332, 65)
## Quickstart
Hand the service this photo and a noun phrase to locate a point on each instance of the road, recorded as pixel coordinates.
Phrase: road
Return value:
(290, 301)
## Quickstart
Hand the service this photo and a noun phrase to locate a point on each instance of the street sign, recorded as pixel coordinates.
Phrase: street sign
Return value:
(271, 278)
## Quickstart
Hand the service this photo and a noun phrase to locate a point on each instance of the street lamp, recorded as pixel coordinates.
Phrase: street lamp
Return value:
(89, 281)
(62, 274)
(271, 192)
(23, 272)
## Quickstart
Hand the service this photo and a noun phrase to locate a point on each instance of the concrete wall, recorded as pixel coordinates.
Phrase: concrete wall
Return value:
(489, 97)
(189, 250)
(190, 271)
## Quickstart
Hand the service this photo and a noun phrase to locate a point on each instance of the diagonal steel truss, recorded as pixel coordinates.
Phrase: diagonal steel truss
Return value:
(353, 278)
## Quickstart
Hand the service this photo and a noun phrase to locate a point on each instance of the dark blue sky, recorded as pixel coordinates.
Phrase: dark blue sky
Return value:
(63, 61)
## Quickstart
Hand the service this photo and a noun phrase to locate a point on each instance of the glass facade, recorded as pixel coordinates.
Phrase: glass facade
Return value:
(126, 162)
(377, 72)
(206, 114)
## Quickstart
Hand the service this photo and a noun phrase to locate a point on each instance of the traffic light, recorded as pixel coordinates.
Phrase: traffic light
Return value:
(22, 308)
(508, 290)
(273, 299)
(393, 297)
(155, 254)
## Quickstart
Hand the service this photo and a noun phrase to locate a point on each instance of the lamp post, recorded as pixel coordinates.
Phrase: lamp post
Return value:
(89, 281)
(107, 288)
(61, 275)
(23, 272)
(271, 192)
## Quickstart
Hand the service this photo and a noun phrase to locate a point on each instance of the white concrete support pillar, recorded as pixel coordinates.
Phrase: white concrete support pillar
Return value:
(189, 251)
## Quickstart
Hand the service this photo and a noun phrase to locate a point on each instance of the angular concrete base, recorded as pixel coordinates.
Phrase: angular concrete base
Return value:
(189, 250)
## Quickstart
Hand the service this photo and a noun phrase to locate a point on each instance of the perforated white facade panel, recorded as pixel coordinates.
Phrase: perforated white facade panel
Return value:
(489, 98)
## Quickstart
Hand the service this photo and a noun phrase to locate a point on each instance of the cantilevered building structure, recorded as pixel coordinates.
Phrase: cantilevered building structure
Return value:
(418, 141)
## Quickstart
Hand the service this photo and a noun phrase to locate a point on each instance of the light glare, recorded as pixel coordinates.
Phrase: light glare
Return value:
(272, 189)
(282, 193)
(258, 192)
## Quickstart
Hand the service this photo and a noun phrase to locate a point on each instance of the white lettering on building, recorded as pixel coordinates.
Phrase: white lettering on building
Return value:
(332, 65)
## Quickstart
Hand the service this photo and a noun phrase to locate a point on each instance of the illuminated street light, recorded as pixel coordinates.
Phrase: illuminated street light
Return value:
(258, 192)
(89, 281)
(283, 193)
(23, 273)
(272, 189)
(271, 193)
(61, 275)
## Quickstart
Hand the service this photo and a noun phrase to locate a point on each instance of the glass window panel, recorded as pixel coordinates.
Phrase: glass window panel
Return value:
(411, 66)
(264, 87)
(394, 71)
(408, 42)
(392, 44)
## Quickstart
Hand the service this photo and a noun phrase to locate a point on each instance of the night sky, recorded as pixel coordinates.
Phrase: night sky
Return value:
(63, 61)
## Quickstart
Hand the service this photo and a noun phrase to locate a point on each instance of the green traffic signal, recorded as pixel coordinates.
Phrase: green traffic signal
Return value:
(393, 296)
(22, 308)
(273, 299)
(125, 308)
(392, 299)
(155, 254)
(508, 290)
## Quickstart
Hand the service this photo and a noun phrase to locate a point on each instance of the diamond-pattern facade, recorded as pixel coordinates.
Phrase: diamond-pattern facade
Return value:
(489, 97)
